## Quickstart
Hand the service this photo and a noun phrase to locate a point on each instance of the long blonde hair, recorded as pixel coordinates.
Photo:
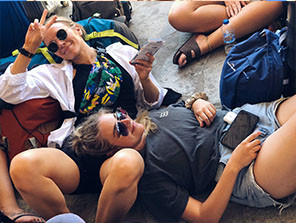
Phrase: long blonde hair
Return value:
(86, 139)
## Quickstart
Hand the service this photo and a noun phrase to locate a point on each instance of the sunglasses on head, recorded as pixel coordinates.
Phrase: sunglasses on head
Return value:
(53, 46)
(120, 115)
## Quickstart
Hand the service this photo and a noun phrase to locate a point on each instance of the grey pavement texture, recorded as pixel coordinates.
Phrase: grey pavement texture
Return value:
(149, 20)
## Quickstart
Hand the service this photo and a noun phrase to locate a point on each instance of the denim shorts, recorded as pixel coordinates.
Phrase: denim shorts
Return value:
(246, 191)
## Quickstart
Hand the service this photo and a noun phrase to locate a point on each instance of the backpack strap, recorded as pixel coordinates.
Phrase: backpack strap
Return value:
(110, 33)
(283, 33)
(45, 53)
(113, 29)
(69, 114)
(42, 50)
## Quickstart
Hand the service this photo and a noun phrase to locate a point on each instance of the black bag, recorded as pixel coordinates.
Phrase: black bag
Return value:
(102, 9)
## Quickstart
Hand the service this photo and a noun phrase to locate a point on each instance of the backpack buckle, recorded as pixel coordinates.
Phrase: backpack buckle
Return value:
(100, 50)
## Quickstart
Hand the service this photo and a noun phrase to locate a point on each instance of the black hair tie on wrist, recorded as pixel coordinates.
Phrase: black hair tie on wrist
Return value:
(24, 52)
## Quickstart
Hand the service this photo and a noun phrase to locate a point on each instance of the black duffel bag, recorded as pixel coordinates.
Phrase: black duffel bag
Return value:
(118, 10)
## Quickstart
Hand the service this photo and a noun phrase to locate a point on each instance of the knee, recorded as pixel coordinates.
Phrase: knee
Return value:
(176, 21)
(23, 168)
(184, 19)
(127, 168)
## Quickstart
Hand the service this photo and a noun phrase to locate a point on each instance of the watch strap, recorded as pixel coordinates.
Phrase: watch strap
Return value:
(26, 53)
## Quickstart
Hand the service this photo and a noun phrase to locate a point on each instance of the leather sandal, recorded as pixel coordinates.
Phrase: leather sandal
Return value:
(186, 49)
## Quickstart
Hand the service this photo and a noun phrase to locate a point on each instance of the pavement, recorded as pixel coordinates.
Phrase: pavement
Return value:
(149, 20)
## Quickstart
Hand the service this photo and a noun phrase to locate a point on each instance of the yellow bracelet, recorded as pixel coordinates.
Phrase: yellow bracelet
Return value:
(189, 102)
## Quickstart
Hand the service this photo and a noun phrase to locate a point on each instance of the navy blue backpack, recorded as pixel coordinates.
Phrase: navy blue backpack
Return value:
(253, 71)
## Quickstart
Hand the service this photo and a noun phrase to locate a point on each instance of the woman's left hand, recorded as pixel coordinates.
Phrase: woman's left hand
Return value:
(204, 111)
(144, 67)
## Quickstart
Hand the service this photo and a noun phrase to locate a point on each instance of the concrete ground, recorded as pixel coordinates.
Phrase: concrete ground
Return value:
(149, 20)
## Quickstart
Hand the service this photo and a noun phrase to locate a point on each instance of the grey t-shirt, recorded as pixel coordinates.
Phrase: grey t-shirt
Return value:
(180, 161)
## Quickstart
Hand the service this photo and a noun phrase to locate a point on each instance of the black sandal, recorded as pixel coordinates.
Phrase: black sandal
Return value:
(186, 49)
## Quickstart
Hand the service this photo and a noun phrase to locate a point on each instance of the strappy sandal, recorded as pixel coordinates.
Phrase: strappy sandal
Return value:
(186, 49)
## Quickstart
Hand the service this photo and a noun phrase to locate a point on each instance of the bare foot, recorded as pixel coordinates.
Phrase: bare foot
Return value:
(20, 216)
(28, 218)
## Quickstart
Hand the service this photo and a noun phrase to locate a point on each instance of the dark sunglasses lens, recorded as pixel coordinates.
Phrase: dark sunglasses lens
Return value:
(53, 47)
(62, 34)
(122, 129)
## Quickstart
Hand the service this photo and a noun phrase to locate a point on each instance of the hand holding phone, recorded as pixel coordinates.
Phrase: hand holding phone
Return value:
(151, 47)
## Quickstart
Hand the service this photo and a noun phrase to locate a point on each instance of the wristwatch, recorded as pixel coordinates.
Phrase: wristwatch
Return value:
(24, 52)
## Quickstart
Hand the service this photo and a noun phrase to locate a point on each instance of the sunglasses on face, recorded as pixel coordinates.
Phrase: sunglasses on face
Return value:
(53, 46)
(120, 115)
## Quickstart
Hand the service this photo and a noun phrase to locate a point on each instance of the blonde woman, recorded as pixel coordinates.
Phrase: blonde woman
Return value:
(182, 156)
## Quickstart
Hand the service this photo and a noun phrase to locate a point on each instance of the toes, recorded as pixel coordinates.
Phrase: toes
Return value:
(182, 59)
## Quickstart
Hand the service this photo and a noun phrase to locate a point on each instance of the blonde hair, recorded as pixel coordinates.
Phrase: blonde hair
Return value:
(70, 23)
(145, 120)
(86, 139)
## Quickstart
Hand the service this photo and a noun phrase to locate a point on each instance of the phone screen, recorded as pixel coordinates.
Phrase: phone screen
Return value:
(243, 125)
(151, 47)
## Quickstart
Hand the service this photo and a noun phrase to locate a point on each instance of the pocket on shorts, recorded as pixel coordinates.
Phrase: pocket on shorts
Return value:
(264, 133)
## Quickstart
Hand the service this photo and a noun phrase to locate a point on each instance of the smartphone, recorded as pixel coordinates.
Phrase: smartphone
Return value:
(151, 47)
(242, 126)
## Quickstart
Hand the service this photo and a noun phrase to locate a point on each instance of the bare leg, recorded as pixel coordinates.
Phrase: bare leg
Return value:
(197, 16)
(8, 204)
(42, 176)
(275, 165)
(120, 176)
(252, 17)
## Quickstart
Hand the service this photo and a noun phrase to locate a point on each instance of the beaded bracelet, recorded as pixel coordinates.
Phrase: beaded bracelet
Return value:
(189, 102)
